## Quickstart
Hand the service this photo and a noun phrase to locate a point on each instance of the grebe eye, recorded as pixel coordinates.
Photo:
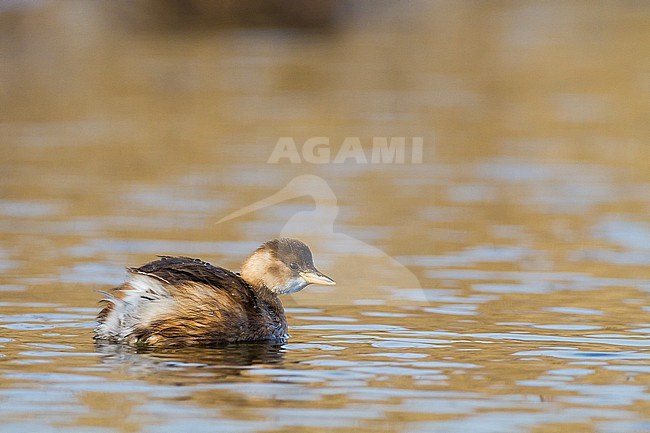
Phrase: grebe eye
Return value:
(294, 266)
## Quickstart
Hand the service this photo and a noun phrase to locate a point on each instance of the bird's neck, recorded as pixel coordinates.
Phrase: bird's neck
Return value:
(255, 271)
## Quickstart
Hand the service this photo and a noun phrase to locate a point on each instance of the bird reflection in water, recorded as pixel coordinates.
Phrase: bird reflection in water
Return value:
(194, 364)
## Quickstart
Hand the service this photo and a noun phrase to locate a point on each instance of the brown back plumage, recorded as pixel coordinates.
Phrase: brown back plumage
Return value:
(177, 271)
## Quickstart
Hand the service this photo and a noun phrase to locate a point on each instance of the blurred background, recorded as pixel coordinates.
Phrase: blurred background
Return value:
(151, 120)
(130, 128)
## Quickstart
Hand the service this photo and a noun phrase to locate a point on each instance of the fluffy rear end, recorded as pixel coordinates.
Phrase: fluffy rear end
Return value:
(131, 307)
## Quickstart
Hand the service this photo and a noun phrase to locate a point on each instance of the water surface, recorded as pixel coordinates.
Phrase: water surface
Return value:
(500, 286)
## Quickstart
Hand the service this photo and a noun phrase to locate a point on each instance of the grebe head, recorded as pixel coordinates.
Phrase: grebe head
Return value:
(283, 266)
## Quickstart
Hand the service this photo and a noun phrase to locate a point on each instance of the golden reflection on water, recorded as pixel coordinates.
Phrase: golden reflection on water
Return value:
(499, 286)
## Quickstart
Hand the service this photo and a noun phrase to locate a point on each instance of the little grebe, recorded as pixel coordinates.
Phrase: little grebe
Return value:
(178, 301)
